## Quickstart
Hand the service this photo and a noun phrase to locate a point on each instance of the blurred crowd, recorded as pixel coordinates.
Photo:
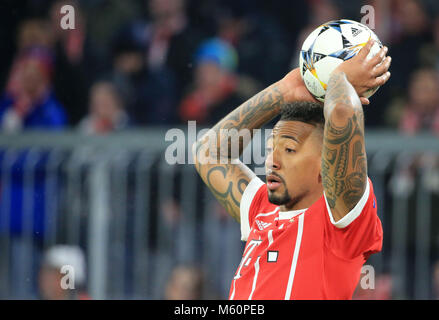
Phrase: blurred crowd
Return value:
(163, 62)
(141, 63)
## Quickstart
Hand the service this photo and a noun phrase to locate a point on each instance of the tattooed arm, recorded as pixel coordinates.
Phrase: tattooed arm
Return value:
(344, 163)
(217, 153)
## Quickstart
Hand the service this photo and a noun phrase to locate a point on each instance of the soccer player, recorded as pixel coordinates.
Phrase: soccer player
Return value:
(311, 226)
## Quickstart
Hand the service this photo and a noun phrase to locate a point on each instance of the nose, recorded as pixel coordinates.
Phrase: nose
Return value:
(271, 162)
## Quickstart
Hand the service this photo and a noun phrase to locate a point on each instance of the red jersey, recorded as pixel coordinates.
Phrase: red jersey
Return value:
(303, 254)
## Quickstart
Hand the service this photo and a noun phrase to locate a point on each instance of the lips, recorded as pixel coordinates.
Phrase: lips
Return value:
(273, 182)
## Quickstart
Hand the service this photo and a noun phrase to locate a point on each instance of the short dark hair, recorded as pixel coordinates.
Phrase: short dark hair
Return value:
(304, 111)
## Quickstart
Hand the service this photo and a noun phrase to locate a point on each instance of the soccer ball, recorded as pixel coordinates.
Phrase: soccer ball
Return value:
(328, 46)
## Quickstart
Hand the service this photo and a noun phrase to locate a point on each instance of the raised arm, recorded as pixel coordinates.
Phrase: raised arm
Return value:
(217, 153)
(344, 163)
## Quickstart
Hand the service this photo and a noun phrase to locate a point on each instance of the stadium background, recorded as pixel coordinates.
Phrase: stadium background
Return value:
(84, 114)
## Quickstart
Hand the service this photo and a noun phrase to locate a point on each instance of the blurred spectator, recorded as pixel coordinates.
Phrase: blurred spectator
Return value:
(430, 52)
(421, 111)
(106, 110)
(322, 11)
(51, 275)
(263, 47)
(171, 210)
(28, 101)
(150, 94)
(35, 33)
(215, 88)
(170, 40)
(185, 283)
(77, 61)
(410, 31)
(105, 18)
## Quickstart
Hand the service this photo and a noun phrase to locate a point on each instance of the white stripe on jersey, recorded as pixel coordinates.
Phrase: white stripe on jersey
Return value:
(233, 291)
(247, 197)
(295, 257)
(270, 237)
(255, 278)
(245, 262)
(268, 213)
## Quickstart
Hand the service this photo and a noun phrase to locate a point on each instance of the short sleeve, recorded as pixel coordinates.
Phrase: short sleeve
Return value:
(251, 198)
(359, 232)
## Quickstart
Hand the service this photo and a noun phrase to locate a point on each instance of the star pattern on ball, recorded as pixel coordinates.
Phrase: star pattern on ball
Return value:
(348, 50)
(310, 58)
(334, 25)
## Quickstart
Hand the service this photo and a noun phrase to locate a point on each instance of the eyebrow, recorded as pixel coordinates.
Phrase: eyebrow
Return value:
(289, 137)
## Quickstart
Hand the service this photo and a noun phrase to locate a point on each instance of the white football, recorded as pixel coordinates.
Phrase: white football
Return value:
(329, 45)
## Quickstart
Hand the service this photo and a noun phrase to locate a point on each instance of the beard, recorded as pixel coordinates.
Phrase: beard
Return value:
(284, 199)
(279, 199)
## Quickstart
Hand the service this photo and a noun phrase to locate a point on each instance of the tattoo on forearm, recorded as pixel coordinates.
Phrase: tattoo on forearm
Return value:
(256, 111)
(253, 114)
(341, 166)
(357, 154)
(344, 163)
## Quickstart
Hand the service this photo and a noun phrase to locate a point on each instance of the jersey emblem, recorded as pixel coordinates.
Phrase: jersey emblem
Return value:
(262, 225)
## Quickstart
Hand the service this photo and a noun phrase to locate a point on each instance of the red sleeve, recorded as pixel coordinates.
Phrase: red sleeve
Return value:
(254, 200)
(357, 233)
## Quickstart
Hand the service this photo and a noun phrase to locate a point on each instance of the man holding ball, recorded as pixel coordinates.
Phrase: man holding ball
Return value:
(312, 225)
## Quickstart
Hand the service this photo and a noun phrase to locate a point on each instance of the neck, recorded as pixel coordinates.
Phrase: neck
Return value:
(303, 202)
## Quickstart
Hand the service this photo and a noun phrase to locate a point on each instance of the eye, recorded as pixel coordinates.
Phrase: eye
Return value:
(268, 150)
(289, 150)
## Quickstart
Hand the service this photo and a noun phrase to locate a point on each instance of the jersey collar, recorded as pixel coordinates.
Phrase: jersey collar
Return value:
(283, 215)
